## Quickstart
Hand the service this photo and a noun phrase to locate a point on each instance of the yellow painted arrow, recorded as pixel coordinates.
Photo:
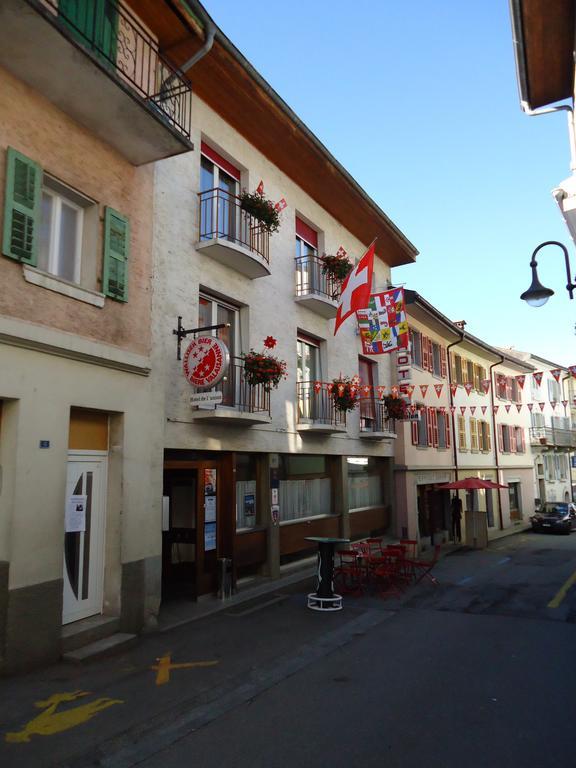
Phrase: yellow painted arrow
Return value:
(165, 666)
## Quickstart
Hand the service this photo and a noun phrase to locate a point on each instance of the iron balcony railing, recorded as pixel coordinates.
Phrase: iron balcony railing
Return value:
(237, 393)
(374, 416)
(222, 217)
(559, 438)
(311, 279)
(317, 407)
(115, 37)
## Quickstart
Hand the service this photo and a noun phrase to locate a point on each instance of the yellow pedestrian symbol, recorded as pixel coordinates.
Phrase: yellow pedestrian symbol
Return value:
(165, 666)
(51, 721)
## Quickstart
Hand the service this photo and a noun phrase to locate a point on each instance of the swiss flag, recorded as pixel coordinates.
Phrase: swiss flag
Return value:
(356, 288)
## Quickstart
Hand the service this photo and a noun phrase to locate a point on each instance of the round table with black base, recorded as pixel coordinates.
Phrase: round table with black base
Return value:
(324, 598)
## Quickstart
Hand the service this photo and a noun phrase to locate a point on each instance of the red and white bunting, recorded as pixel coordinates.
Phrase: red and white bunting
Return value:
(530, 406)
(341, 252)
(572, 369)
(442, 409)
(452, 409)
(438, 388)
(366, 390)
(521, 378)
(380, 391)
(356, 380)
(556, 372)
(394, 391)
(508, 406)
(538, 377)
(260, 188)
(462, 409)
(341, 389)
(281, 204)
(330, 387)
(353, 389)
(518, 407)
(410, 390)
(553, 403)
(495, 409)
(541, 406)
(485, 385)
(565, 404)
(472, 409)
(317, 387)
(483, 408)
(423, 389)
(468, 387)
(453, 389)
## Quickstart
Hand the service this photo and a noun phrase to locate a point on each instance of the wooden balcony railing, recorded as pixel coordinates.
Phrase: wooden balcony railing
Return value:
(311, 280)
(119, 41)
(317, 408)
(222, 217)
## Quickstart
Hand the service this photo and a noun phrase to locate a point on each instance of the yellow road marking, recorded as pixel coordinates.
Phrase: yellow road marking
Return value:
(50, 721)
(165, 666)
(561, 594)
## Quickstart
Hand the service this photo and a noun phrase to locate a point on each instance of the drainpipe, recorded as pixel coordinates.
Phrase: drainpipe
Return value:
(209, 34)
(571, 134)
(566, 395)
(495, 433)
(454, 431)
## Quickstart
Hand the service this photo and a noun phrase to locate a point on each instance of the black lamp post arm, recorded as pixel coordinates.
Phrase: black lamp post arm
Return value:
(570, 286)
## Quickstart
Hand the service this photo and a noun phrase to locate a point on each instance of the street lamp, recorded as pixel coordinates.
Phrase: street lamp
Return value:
(537, 294)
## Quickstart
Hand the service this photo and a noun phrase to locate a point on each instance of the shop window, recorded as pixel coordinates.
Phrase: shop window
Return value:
(246, 498)
(305, 487)
(365, 482)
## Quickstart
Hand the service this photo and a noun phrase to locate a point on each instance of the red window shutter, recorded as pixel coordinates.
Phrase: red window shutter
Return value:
(508, 388)
(430, 356)
(414, 426)
(424, 352)
(501, 437)
(447, 421)
(227, 166)
(443, 362)
(430, 426)
(435, 426)
(306, 233)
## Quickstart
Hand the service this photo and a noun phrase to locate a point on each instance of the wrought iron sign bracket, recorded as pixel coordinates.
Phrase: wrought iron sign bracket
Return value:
(182, 332)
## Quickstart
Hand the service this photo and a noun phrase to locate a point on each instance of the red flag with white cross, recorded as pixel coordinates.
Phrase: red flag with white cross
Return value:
(355, 293)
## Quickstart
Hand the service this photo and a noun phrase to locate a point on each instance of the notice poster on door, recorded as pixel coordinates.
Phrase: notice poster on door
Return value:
(209, 509)
(76, 514)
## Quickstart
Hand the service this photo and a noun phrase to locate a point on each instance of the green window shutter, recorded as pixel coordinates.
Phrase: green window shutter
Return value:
(21, 208)
(116, 254)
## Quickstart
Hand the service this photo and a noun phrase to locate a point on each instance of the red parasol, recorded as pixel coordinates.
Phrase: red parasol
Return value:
(470, 484)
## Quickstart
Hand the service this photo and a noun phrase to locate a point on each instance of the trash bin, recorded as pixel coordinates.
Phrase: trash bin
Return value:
(225, 578)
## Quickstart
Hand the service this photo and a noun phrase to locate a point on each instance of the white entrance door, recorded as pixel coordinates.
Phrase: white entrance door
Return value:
(84, 549)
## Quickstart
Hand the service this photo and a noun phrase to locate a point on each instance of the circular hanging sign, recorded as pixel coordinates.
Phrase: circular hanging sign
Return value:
(206, 361)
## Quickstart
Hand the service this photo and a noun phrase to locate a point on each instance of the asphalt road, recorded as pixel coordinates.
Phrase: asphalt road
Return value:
(477, 671)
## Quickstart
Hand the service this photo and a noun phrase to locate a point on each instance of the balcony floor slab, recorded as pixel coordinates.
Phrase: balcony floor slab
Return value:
(230, 416)
(237, 257)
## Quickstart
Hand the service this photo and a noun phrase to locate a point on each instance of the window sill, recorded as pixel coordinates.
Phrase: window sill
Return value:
(58, 285)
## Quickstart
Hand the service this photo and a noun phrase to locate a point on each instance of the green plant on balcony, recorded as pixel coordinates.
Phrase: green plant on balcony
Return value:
(262, 209)
(396, 407)
(336, 267)
(345, 394)
(263, 368)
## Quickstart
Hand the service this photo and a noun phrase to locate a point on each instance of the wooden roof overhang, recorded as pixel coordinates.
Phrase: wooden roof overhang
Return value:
(229, 84)
(543, 32)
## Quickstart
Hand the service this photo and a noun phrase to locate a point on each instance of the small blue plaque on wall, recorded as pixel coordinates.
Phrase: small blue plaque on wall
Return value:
(44, 443)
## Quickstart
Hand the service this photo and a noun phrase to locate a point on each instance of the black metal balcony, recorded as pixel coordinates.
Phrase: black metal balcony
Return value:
(123, 89)
(316, 410)
(374, 419)
(231, 235)
(553, 437)
(318, 291)
(242, 403)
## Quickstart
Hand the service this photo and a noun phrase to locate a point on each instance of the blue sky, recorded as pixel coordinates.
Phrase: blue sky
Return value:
(419, 102)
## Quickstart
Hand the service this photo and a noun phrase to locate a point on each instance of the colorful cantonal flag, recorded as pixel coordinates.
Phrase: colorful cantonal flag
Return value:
(521, 379)
(356, 289)
(538, 377)
(556, 372)
(438, 388)
(382, 324)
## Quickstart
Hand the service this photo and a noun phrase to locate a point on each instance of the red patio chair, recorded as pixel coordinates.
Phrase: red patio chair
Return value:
(423, 567)
(348, 574)
(388, 575)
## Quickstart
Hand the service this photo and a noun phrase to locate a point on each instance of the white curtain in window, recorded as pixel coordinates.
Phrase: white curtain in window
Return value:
(304, 498)
(365, 491)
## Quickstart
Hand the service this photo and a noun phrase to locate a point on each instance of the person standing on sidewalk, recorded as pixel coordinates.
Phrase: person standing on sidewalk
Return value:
(456, 507)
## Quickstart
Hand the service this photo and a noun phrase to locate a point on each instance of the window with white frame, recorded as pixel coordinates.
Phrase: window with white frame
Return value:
(219, 183)
(310, 405)
(560, 466)
(216, 311)
(554, 391)
(416, 345)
